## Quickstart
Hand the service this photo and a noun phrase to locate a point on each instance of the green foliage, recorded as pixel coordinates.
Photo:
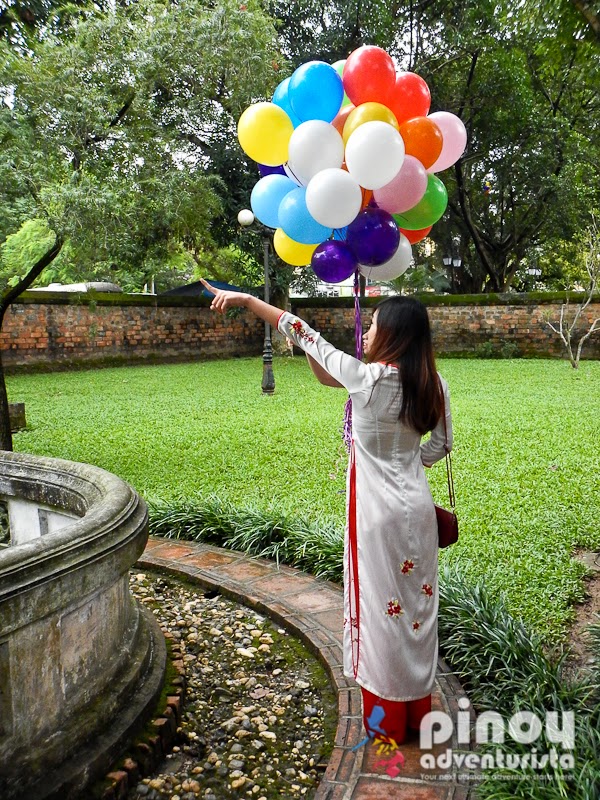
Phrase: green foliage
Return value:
(490, 350)
(526, 467)
(20, 251)
(229, 264)
(421, 278)
(112, 129)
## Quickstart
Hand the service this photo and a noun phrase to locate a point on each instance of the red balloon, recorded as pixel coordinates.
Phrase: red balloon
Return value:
(416, 236)
(369, 75)
(409, 98)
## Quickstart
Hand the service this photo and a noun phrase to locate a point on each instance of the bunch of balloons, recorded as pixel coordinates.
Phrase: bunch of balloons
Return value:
(347, 155)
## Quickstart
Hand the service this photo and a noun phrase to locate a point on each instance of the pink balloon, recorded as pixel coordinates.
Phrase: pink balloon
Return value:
(455, 139)
(405, 190)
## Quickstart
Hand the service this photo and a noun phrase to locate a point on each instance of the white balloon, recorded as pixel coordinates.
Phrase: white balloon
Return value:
(315, 145)
(333, 198)
(374, 154)
(292, 176)
(396, 266)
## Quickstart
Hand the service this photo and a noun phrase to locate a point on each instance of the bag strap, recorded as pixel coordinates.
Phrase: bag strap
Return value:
(448, 459)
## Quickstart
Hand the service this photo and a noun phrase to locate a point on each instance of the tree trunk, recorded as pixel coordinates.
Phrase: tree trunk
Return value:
(8, 296)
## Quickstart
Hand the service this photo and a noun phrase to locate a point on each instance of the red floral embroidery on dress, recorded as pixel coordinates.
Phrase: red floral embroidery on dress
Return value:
(427, 589)
(297, 327)
(416, 625)
(407, 567)
(394, 609)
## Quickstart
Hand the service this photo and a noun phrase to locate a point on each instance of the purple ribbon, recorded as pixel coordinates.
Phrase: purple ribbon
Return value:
(358, 341)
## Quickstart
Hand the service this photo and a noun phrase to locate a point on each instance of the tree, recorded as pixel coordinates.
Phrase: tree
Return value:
(107, 131)
(525, 88)
(569, 325)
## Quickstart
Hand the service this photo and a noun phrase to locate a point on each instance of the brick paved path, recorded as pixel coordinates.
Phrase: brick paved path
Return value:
(312, 609)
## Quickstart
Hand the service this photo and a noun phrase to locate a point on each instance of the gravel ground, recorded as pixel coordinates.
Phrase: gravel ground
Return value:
(259, 714)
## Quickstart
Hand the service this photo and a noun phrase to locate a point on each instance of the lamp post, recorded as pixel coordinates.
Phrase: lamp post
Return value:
(453, 261)
(245, 219)
(533, 273)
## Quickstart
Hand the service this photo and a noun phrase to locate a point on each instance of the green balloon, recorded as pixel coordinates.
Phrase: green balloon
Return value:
(428, 210)
(339, 68)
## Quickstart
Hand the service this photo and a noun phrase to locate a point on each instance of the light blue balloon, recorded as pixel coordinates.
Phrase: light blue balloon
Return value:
(266, 197)
(315, 91)
(296, 221)
(281, 99)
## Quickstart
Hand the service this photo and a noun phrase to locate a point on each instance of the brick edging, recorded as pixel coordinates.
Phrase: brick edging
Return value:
(145, 753)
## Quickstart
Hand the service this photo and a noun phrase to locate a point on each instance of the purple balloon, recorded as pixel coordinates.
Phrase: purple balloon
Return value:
(264, 170)
(373, 236)
(333, 262)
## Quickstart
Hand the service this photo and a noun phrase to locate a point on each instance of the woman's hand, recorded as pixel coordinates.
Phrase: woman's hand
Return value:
(223, 300)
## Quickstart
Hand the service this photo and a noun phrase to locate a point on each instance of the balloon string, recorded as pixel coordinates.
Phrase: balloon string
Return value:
(358, 343)
(292, 173)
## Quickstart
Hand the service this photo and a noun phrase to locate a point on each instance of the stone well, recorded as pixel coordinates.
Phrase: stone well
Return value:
(81, 663)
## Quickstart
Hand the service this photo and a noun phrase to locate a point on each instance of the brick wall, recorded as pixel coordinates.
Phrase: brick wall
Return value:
(68, 333)
(73, 331)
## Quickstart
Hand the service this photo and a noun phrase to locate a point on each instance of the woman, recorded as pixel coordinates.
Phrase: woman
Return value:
(390, 549)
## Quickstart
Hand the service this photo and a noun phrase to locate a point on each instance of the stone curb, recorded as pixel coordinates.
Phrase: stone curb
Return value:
(312, 609)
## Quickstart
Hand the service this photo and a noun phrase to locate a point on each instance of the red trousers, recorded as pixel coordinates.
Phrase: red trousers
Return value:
(392, 717)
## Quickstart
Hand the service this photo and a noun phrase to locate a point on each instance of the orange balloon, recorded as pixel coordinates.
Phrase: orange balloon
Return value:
(422, 139)
(368, 112)
(416, 236)
(340, 120)
(367, 196)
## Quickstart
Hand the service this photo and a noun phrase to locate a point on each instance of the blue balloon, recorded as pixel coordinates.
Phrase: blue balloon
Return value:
(296, 221)
(315, 91)
(281, 99)
(266, 197)
(340, 234)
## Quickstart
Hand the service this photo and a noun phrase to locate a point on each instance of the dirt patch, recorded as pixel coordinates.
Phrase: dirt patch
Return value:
(586, 613)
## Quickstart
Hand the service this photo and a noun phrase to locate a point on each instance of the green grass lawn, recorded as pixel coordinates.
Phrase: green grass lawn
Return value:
(526, 457)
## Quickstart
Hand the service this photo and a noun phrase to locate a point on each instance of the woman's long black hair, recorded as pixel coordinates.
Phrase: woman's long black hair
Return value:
(403, 338)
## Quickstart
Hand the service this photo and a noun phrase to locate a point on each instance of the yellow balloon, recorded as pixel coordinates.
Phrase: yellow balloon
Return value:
(292, 252)
(368, 112)
(264, 131)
